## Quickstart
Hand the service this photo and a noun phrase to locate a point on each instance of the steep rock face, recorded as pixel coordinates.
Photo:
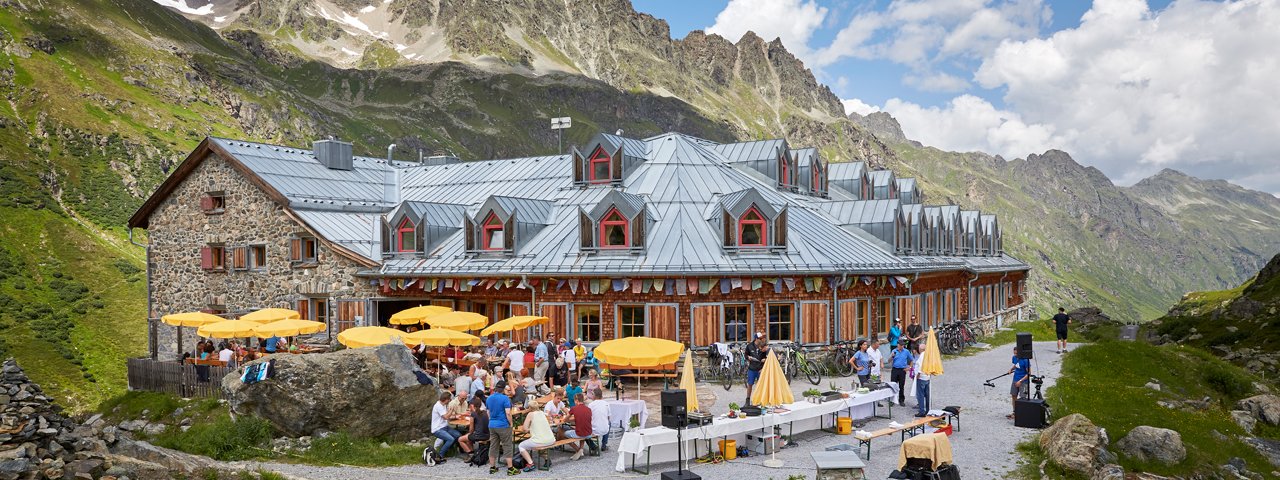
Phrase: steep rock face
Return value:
(882, 125)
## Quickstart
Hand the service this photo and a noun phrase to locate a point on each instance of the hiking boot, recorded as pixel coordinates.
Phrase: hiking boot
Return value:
(512, 471)
(578, 454)
(493, 470)
(529, 468)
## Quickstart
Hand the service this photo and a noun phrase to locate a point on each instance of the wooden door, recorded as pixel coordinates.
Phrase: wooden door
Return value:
(348, 313)
(706, 321)
(662, 322)
(522, 336)
(813, 322)
(848, 327)
(556, 315)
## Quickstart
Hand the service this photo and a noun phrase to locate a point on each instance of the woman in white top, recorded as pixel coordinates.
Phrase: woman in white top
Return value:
(874, 351)
(540, 435)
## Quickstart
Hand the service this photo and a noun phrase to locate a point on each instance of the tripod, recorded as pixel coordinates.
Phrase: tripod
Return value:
(989, 384)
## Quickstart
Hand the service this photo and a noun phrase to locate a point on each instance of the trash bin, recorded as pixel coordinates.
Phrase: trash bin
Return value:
(729, 448)
(844, 426)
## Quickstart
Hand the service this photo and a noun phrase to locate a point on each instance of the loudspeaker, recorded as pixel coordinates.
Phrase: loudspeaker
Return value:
(1030, 413)
(674, 409)
(1024, 345)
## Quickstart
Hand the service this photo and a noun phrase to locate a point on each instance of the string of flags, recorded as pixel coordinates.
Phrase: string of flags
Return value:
(667, 286)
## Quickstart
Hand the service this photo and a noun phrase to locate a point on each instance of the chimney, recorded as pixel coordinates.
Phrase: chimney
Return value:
(333, 154)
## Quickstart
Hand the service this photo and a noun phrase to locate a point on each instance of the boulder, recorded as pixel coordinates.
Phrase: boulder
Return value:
(1244, 419)
(1269, 449)
(1075, 443)
(366, 392)
(1265, 407)
(172, 460)
(1153, 444)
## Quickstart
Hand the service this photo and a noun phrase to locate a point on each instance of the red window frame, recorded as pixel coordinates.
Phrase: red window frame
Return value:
(743, 221)
(490, 224)
(599, 156)
(405, 227)
(786, 170)
(621, 221)
(817, 179)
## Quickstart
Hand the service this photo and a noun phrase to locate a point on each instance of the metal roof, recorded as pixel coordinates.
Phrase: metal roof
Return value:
(906, 184)
(846, 170)
(679, 180)
(880, 178)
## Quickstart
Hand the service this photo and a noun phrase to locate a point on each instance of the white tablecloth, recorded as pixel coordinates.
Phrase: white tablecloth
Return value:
(620, 412)
(803, 416)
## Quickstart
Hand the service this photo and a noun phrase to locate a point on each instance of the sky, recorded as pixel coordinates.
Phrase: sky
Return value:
(1128, 86)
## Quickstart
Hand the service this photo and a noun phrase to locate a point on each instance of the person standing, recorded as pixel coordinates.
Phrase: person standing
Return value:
(570, 359)
(515, 361)
(901, 360)
(462, 384)
(895, 334)
(756, 353)
(915, 333)
(1020, 388)
(499, 405)
(922, 383)
(1060, 322)
(861, 362)
(541, 357)
(876, 355)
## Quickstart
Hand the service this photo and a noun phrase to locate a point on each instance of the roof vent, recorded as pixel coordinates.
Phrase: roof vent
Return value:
(333, 154)
(441, 159)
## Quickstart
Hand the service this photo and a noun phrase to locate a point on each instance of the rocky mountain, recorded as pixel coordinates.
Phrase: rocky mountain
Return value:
(104, 97)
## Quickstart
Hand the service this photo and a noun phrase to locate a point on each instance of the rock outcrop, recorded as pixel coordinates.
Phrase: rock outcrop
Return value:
(1075, 443)
(36, 440)
(1152, 444)
(366, 392)
(1265, 407)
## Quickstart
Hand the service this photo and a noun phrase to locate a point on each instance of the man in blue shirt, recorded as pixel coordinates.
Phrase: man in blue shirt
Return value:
(540, 360)
(271, 343)
(499, 405)
(901, 360)
(1021, 369)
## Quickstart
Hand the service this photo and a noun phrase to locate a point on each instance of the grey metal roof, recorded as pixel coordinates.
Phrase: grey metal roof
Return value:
(913, 213)
(679, 180)
(846, 170)
(969, 220)
(880, 178)
(906, 184)
(988, 223)
(804, 156)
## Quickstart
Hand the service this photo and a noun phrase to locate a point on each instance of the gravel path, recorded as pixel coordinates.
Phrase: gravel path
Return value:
(984, 448)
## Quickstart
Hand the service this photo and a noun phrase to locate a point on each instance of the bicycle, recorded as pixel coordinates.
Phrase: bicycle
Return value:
(843, 353)
(795, 362)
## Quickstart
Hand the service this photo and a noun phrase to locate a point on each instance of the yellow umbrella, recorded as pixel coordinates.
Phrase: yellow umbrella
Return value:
(371, 336)
(460, 321)
(191, 319)
(288, 328)
(688, 383)
(228, 329)
(639, 352)
(417, 315)
(268, 315)
(932, 356)
(513, 323)
(442, 337)
(772, 389)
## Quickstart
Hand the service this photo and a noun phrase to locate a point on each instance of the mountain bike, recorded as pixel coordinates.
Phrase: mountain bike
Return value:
(795, 361)
(843, 352)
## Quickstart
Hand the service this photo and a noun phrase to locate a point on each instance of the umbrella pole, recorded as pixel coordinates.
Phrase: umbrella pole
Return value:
(773, 461)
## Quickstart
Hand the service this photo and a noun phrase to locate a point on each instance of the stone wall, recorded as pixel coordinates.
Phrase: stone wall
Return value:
(179, 228)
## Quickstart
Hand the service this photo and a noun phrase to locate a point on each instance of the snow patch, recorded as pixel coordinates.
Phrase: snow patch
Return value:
(181, 6)
(400, 47)
(352, 22)
(220, 19)
(368, 9)
(349, 52)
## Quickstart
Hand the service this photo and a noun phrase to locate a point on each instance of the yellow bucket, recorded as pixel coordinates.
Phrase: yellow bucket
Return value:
(729, 449)
(844, 426)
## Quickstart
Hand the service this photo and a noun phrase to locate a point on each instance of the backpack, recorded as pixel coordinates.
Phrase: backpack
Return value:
(479, 455)
(429, 456)
(518, 462)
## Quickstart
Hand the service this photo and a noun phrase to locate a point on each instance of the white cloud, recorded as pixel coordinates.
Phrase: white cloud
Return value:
(1190, 87)
(969, 123)
(794, 21)
(852, 105)
(937, 82)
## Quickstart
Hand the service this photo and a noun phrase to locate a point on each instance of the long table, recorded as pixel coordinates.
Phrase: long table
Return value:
(659, 444)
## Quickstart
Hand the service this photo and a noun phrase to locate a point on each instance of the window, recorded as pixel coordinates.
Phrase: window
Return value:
(818, 186)
(406, 241)
(493, 233)
(600, 166)
(587, 320)
(786, 170)
(780, 320)
(213, 258)
(631, 321)
(864, 317)
(302, 251)
(258, 257)
(883, 307)
(615, 231)
(752, 229)
(213, 203)
(737, 321)
(320, 310)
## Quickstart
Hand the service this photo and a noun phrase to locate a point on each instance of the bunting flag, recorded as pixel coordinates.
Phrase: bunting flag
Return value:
(682, 287)
(619, 284)
(880, 282)
(669, 287)
(736, 284)
(448, 282)
(595, 286)
(509, 282)
(659, 285)
(893, 282)
(808, 284)
(866, 280)
(777, 286)
(560, 285)
(691, 285)
(726, 286)
(757, 283)
(646, 286)
(637, 286)
(791, 283)
(704, 286)
(573, 286)
(904, 281)
(817, 284)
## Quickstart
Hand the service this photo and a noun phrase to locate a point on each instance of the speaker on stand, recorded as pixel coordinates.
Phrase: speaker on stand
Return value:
(1024, 345)
(675, 416)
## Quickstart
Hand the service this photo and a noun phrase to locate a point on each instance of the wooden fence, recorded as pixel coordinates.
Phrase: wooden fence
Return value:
(185, 381)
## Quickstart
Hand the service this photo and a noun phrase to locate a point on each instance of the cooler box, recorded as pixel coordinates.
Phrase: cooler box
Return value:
(729, 449)
(762, 443)
(844, 426)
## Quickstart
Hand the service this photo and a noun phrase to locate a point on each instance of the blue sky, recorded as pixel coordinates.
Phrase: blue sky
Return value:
(1128, 86)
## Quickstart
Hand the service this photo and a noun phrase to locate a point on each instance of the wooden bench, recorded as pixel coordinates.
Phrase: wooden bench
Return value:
(666, 372)
(913, 428)
(542, 455)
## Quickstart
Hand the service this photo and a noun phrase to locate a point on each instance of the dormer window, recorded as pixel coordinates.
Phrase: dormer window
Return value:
(752, 229)
(406, 241)
(615, 231)
(599, 166)
(493, 233)
(786, 170)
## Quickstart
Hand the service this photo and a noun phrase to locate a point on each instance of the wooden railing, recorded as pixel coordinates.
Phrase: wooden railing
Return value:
(185, 381)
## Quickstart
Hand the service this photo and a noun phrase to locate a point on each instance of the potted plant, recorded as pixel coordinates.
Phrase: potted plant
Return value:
(733, 410)
(813, 395)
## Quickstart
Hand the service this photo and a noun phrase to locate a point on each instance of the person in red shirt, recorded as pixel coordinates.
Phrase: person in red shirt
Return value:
(580, 415)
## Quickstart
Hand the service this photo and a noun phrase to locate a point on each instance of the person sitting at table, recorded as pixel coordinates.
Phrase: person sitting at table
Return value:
(580, 416)
(539, 428)
(570, 360)
(528, 392)
(588, 363)
(559, 376)
(458, 406)
(490, 349)
(479, 426)
(477, 383)
(271, 344)
(226, 355)
(593, 382)
(599, 417)
(555, 407)
(515, 360)
(462, 383)
(571, 392)
(474, 355)
(440, 428)
(450, 374)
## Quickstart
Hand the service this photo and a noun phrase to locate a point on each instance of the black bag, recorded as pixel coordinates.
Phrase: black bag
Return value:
(429, 456)
(518, 462)
(752, 410)
(479, 455)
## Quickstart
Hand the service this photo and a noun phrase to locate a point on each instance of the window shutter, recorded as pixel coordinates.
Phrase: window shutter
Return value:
(206, 258)
(615, 166)
(206, 203)
(470, 228)
(730, 229)
(509, 234)
(239, 260)
(578, 174)
(585, 229)
(386, 237)
(637, 230)
(295, 249)
(421, 232)
(780, 229)
(302, 308)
